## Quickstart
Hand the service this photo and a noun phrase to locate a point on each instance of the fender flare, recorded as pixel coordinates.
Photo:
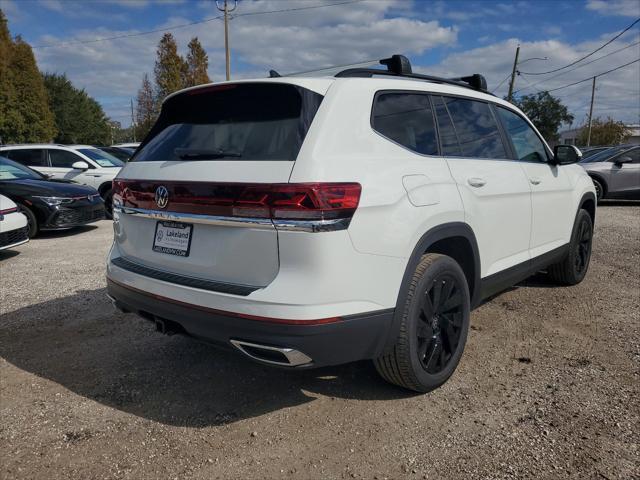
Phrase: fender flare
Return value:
(589, 196)
(433, 235)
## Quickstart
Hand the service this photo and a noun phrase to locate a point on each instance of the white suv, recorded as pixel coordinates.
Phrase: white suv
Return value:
(319, 221)
(82, 164)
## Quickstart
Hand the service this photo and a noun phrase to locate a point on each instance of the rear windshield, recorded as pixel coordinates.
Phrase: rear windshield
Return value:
(247, 121)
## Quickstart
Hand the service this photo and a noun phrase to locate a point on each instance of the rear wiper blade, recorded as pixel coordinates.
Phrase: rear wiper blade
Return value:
(195, 154)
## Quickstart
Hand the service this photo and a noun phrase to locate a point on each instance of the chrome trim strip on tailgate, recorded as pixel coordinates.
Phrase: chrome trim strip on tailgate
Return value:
(310, 226)
(197, 218)
(201, 283)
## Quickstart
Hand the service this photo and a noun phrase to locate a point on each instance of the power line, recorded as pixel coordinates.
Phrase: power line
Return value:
(588, 55)
(591, 77)
(579, 66)
(500, 84)
(183, 25)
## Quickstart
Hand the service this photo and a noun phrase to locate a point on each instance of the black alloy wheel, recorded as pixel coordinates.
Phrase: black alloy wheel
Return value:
(440, 323)
(431, 326)
(583, 246)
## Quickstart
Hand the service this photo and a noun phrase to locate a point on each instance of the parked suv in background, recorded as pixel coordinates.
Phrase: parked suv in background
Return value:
(82, 164)
(319, 221)
(615, 172)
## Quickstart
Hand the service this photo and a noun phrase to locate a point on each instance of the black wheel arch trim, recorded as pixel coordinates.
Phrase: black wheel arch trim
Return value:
(586, 197)
(435, 234)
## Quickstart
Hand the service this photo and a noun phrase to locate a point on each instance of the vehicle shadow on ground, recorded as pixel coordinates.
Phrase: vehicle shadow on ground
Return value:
(44, 234)
(7, 254)
(118, 360)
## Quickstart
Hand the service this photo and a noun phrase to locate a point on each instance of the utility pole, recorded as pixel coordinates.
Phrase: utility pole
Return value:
(593, 94)
(227, 52)
(513, 74)
(133, 122)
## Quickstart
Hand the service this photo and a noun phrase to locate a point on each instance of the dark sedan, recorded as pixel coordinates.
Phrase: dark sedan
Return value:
(48, 204)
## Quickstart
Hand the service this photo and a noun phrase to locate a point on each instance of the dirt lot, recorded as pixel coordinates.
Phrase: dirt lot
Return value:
(548, 386)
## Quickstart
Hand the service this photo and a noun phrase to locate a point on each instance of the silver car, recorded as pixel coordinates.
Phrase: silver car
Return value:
(615, 172)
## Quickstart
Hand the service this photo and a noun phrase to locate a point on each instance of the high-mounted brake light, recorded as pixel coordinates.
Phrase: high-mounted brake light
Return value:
(280, 201)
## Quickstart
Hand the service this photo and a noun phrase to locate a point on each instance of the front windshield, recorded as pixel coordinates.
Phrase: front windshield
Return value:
(101, 158)
(10, 170)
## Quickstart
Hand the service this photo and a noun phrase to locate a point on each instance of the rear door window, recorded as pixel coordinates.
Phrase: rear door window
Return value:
(63, 159)
(407, 119)
(246, 121)
(31, 157)
(475, 127)
(527, 144)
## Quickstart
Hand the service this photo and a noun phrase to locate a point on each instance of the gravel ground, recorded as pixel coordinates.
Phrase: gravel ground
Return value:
(548, 386)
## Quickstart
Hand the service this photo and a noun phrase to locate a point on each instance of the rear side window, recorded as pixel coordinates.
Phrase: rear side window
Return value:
(246, 121)
(528, 146)
(407, 119)
(475, 127)
(63, 159)
(31, 157)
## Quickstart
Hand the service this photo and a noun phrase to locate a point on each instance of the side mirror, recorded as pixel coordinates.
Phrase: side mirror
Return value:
(566, 154)
(621, 160)
(80, 165)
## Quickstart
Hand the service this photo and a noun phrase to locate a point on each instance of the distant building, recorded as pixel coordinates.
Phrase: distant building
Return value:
(569, 137)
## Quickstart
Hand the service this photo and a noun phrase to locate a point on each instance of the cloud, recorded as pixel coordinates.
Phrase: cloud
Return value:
(617, 94)
(626, 8)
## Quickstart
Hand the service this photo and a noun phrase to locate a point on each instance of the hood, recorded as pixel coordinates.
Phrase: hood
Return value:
(44, 188)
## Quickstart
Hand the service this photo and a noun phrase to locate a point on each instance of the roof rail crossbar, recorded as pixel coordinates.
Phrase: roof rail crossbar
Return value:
(399, 66)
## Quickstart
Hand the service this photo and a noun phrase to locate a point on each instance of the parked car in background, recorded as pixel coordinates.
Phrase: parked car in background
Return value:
(615, 172)
(319, 221)
(121, 153)
(133, 145)
(83, 164)
(590, 151)
(49, 204)
(13, 224)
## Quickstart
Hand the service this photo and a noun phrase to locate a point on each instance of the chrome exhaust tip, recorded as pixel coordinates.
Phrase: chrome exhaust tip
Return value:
(117, 305)
(283, 356)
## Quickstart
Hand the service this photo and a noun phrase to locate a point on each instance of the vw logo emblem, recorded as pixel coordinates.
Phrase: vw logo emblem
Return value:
(162, 196)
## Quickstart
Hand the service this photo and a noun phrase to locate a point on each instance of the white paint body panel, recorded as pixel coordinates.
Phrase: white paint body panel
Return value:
(10, 221)
(404, 195)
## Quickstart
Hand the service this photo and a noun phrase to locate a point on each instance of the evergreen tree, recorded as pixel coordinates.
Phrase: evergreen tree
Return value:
(11, 122)
(146, 111)
(32, 101)
(169, 69)
(78, 117)
(24, 112)
(197, 64)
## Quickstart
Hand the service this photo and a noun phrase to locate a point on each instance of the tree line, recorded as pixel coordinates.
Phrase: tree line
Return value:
(171, 73)
(37, 107)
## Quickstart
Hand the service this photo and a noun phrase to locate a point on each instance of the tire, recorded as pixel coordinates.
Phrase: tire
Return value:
(108, 204)
(429, 347)
(32, 221)
(575, 265)
(599, 189)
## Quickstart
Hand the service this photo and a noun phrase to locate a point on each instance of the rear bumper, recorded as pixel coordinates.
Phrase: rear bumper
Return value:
(350, 338)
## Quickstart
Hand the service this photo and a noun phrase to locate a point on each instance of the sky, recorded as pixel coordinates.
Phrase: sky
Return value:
(450, 38)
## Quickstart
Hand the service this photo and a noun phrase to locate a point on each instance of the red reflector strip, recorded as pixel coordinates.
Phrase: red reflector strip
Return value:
(285, 201)
(281, 321)
(7, 211)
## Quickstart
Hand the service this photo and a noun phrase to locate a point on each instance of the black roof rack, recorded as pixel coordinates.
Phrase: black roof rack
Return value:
(400, 66)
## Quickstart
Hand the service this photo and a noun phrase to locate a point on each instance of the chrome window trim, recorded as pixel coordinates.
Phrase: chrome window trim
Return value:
(310, 226)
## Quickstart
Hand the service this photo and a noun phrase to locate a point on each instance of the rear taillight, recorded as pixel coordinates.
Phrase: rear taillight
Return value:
(280, 201)
(7, 211)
